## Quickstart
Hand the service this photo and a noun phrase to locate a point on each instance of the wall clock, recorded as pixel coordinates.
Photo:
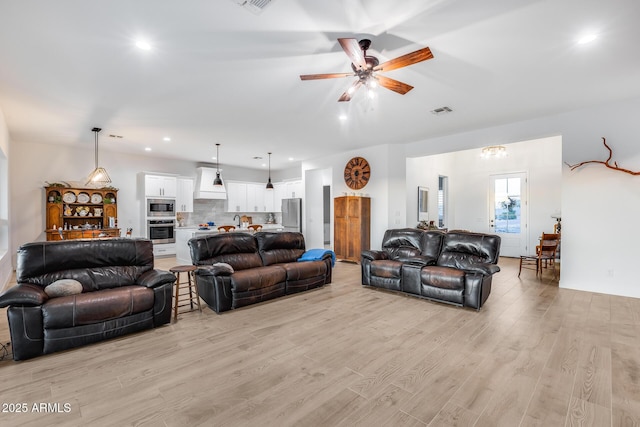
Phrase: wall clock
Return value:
(357, 173)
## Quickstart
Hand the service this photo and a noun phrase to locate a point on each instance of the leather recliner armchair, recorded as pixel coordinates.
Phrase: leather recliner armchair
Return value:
(121, 293)
(455, 267)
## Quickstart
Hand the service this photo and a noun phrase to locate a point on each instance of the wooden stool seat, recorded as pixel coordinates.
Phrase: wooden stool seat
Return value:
(192, 295)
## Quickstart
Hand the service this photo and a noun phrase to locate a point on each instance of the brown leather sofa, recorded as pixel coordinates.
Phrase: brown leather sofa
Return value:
(455, 267)
(264, 267)
(121, 293)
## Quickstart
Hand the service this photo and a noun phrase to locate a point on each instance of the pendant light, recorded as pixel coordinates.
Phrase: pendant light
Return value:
(218, 180)
(269, 184)
(99, 177)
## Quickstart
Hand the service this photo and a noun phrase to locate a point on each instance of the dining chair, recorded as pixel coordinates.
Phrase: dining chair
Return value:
(545, 255)
(226, 228)
(254, 227)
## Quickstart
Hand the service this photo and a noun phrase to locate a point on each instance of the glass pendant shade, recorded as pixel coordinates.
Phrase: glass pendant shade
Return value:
(99, 177)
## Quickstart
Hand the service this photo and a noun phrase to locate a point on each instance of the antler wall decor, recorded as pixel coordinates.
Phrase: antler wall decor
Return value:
(606, 162)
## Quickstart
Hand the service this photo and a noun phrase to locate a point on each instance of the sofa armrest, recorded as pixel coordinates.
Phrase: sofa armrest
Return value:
(213, 270)
(485, 269)
(154, 278)
(374, 255)
(24, 294)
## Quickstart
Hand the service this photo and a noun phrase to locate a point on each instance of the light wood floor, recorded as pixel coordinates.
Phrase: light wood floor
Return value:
(345, 355)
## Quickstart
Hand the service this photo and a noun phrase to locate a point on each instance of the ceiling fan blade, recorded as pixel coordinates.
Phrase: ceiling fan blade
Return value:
(347, 95)
(325, 76)
(404, 60)
(393, 85)
(352, 48)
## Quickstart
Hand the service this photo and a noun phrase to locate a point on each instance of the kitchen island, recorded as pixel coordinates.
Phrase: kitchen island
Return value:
(184, 234)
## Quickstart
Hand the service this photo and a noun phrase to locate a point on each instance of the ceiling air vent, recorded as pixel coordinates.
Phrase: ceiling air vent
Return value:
(254, 6)
(441, 110)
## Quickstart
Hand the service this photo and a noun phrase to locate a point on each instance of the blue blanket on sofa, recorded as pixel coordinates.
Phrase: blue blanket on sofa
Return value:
(317, 254)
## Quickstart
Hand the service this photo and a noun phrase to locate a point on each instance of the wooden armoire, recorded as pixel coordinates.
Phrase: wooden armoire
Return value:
(352, 226)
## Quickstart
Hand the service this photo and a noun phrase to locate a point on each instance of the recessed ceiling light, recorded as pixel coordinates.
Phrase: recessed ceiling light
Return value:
(343, 117)
(143, 44)
(291, 159)
(147, 149)
(587, 38)
(166, 138)
(213, 158)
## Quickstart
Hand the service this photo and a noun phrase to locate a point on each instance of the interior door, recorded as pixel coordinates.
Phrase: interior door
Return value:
(508, 212)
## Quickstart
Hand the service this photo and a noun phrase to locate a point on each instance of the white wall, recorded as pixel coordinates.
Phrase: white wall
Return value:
(387, 166)
(5, 205)
(599, 235)
(52, 163)
(313, 217)
(469, 178)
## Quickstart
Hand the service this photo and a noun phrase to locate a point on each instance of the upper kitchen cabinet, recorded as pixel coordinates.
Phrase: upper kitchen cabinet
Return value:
(184, 198)
(160, 186)
(236, 196)
(293, 189)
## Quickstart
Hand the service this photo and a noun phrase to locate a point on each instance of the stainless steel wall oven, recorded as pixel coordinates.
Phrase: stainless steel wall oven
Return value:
(161, 230)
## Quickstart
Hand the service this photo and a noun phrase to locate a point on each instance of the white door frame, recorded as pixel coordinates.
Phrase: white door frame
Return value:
(513, 244)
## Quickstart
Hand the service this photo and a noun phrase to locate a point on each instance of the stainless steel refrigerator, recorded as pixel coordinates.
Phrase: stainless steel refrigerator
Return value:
(292, 214)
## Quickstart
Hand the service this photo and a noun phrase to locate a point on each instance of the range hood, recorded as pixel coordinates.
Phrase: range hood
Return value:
(204, 185)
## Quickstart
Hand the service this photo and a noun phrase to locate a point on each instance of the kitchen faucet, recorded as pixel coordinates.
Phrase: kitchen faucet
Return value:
(234, 217)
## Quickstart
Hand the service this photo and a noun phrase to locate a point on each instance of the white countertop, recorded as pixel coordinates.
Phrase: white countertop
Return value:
(196, 230)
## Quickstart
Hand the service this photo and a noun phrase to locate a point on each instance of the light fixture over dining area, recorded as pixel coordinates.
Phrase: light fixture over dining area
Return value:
(494, 151)
(99, 177)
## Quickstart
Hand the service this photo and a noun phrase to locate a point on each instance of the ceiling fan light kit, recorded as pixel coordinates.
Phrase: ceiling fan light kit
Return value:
(366, 68)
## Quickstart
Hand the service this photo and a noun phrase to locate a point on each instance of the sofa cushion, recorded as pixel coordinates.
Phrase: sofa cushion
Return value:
(63, 287)
(442, 277)
(96, 306)
(257, 278)
(97, 264)
(240, 250)
(402, 253)
(278, 248)
(386, 268)
(304, 270)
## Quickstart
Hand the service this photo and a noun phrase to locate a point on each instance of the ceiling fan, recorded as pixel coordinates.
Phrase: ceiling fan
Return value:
(366, 68)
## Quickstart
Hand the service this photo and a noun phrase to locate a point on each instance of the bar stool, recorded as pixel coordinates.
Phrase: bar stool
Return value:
(189, 269)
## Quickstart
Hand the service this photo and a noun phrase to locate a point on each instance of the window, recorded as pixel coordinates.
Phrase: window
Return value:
(442, 200)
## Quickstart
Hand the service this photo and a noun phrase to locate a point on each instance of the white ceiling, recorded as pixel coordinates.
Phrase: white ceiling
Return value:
(219, 73)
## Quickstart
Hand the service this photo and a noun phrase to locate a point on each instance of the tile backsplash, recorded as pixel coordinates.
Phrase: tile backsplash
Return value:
(214, 210)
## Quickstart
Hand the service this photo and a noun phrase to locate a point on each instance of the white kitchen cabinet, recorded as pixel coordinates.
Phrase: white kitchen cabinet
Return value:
(236, 196)
(269, 200)
(256, 197)
(160, 186)
(293, 189)
(184, 196)
(279, 193)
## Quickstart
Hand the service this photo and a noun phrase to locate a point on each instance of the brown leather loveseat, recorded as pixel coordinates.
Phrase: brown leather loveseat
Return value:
(238, 269)
(110, 287)
(455, 267)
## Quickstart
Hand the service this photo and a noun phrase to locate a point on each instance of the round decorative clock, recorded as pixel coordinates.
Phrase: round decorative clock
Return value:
(357, 173)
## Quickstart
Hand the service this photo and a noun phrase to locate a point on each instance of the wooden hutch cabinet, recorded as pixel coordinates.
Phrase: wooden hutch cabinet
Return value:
(352, 229)
(82, 213)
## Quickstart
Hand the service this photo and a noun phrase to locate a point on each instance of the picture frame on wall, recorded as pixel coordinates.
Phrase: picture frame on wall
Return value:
(423, 203)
